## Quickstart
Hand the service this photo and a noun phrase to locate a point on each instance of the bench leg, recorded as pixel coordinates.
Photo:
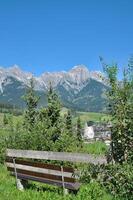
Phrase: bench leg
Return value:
(66, 191)
(20, 185)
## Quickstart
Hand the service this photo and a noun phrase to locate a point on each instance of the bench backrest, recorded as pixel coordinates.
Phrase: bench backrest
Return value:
(47, 173)
(54, 174)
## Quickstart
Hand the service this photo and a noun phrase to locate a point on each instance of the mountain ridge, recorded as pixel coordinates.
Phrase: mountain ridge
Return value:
(75, 86)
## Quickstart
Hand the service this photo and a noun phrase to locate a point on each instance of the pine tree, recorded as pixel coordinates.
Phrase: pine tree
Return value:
(53, 114)
(54, 106)
(31, 101)
(5, 119)
(79, 130)
(69, 122)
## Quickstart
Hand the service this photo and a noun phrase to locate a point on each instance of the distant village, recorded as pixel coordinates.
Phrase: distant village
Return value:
(97, 132)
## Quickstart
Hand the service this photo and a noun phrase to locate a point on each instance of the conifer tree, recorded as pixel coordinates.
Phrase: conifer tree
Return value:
(5, 119)
(31, 100)
(69, 121)
(54, 106)
(79, 130)
(53, 114)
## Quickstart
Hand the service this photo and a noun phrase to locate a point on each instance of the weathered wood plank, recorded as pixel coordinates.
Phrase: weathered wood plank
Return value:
(40, 170)
(61, 156)
(41, 175)
(72, 186)
(40, 165)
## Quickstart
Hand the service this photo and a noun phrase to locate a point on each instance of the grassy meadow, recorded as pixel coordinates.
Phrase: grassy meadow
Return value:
(87, 116)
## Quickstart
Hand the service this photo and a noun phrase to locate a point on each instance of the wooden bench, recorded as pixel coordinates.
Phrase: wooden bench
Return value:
(25, 170)
(56, 175)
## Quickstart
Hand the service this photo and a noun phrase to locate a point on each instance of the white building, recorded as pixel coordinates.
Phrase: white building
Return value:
(88, 132)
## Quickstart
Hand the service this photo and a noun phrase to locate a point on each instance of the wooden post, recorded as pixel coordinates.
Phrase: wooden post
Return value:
(18, 182)
(63, 184)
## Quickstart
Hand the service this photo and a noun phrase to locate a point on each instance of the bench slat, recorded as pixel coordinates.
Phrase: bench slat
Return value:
(40, 165)
(62, 156)
(40, 170)
(71, 186)
(42, 175)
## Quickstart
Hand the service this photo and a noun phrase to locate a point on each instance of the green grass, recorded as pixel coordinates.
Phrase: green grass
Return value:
(5, 130)
(8, 191)
(87, 116)
(97, 148)
(91, 116)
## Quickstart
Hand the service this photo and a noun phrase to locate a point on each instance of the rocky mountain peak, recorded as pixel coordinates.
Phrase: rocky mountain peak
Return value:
(79, 74)
(79, 69)
(15, 67)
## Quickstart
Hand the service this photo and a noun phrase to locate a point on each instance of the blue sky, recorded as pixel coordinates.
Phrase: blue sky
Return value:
(53, 35)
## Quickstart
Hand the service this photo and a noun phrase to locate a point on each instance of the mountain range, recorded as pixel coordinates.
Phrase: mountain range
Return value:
(79, 88)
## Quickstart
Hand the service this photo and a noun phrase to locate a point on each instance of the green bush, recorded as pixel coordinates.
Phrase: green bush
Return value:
(89, 172)
(118, 179)
(92, 191)
(3, 142)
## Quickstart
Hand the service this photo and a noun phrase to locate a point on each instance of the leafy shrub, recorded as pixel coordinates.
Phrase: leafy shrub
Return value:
(89, 172)
(92, 191)
(118, 179)
(2, 148)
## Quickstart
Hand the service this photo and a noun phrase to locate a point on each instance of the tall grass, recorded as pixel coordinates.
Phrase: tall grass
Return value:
(98, 148)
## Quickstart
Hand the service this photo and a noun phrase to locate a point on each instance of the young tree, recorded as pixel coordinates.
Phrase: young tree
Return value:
(5, 119)
(121, 110)
(31, 101)
(53, 113)
(69, 122)
(79, 130)
(54, 106)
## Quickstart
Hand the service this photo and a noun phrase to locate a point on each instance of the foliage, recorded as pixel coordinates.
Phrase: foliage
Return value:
(31, 101)
(2, 148)
(47, 131)
(53, 114)
(5, 120)
(90, 116)
(118, 179)
(89, 172)
(54, 106)
(8, 108)
(93, 191)
(97, 148)
(79, 130)
(120, 98)
(69, 121)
